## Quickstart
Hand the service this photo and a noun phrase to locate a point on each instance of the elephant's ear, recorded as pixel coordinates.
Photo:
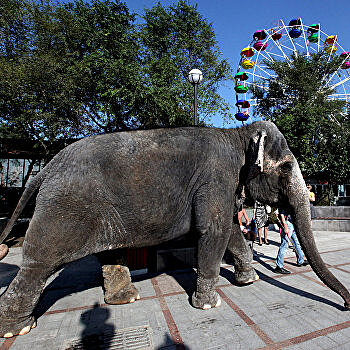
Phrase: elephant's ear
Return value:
(256, 156)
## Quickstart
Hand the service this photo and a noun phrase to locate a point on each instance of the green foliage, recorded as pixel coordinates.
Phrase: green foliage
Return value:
(76, 68)
(316, 128)
(174, 41)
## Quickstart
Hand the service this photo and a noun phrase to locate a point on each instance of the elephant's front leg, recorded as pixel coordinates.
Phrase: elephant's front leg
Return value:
(242, 257)
(211, 248)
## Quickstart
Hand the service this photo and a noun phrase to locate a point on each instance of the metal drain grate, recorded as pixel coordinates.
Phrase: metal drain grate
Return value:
(136, 338)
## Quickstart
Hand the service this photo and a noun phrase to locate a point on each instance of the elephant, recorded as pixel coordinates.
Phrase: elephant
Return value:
(144, 187)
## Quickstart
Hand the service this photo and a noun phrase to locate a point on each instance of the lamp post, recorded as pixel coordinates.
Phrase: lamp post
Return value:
(195, 77)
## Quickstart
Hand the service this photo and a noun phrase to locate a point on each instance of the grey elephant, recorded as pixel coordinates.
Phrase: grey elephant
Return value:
(141, 188)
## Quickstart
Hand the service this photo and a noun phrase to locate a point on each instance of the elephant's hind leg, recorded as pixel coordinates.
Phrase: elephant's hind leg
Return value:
(42, 256)
(19, 300)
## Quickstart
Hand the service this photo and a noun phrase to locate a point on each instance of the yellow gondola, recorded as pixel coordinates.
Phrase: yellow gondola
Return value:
(247, 52)
(331, 39)
(246, 64)
(331, 49)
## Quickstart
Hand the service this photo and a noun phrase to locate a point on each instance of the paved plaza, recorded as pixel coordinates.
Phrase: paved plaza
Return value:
(293, 311)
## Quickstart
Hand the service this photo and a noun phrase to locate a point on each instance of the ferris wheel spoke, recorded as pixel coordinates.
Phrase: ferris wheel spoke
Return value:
(267, 73)
(288, 48)
(333, 49)
(339, 83)
(306, 43)
(284, 55)
(259, 86)
(339, 96)
(277, 55)
(335, 73)
(301, 46)
(263, 54)
(334, 120)
(270, 56)
(252, 101)
(295, 50)
(260, 76)
(313, 49)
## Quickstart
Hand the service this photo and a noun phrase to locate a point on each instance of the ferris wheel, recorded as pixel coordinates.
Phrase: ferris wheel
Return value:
(279, 43)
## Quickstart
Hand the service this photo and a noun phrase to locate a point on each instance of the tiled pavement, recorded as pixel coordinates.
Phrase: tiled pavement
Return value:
(293, 311)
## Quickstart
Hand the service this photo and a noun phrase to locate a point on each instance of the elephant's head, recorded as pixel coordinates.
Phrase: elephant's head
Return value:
(271, 175)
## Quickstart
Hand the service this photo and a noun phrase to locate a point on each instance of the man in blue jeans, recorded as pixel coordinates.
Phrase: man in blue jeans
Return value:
(288, 232)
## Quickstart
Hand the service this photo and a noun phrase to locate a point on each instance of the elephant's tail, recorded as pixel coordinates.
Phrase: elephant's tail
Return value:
(32, 186)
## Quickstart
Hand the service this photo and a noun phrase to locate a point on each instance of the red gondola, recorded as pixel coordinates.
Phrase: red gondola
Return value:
(259, 35)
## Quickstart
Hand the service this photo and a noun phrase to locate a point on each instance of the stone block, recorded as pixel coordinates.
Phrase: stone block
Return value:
(323, 211)
(333, 225)
(319, 225)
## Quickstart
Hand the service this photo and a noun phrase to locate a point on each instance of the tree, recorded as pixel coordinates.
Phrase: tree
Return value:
(74, 76)
(316, 127)
(33, 103)
(175, 40)
(75, 69)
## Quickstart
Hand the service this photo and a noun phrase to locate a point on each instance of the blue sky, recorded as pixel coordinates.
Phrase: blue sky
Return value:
(235, 22)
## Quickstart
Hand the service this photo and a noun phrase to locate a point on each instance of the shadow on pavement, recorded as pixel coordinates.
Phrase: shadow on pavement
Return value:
(97, 334)
(168, 344)
(7, 273)
(284, 286)
(75, 277)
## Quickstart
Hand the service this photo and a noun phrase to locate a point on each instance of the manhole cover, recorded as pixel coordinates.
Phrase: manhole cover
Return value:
(128, 338)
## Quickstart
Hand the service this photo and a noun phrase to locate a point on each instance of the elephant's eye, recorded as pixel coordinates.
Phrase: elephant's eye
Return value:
(286, 167)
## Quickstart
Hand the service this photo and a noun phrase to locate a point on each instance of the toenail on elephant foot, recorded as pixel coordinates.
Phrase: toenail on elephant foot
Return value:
(126, 295)
(10, 332)
(205, 302)
(246, 277)
(208, 306)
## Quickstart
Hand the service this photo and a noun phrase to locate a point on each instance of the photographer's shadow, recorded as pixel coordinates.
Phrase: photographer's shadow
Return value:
(98, 333)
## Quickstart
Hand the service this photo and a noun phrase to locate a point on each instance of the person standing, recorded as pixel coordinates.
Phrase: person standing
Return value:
(261, 217)
(288, 231)
(242, 213)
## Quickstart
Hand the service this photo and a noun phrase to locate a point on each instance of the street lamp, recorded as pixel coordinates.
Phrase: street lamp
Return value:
(195, 77)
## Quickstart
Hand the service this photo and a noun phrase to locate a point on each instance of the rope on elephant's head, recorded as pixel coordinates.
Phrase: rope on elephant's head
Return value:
(260, 158)
(258, 166)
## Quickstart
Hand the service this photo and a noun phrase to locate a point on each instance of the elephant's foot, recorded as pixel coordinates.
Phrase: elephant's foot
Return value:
(11, 328)
(206, 297)
(246, 276)
(118, 286)
(4, 249)
(206, 302)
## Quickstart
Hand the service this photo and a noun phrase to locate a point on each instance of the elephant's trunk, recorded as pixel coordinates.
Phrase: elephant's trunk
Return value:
(299, 200)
